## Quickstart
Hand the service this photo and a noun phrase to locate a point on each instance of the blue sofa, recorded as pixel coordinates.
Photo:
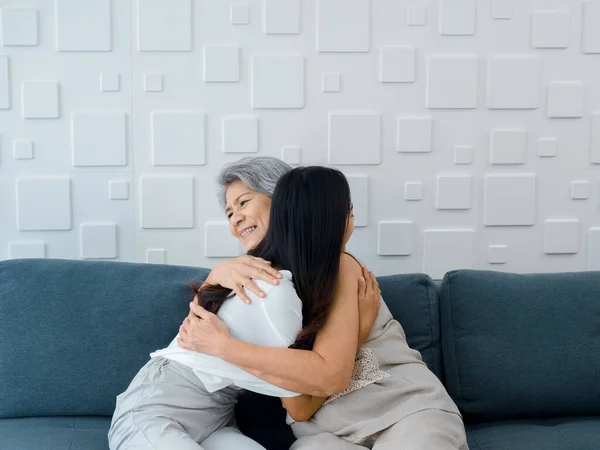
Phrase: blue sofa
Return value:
(520, 354)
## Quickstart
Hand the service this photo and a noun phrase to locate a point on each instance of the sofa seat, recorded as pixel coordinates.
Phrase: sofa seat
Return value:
(543, 434)
(55, 433)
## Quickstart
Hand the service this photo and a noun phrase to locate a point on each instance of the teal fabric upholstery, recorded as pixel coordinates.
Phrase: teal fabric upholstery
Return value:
(54, 433)
(413, 301)
(549, 434)
(74, 333)
(522, 346)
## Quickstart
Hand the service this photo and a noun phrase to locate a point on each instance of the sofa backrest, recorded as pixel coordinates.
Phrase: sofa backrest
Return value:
(413, 301)
(74, 333)
(517, 346)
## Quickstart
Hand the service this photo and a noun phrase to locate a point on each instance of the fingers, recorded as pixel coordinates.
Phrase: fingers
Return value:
(198, 311)
(252, 287)
(239, 291)
(265, 271)
(362, 289)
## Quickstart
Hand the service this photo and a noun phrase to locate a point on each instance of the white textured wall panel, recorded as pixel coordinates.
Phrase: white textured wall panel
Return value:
(19, 27)
(164, 25)
(83, 25)
(343, 25)
(469, 130)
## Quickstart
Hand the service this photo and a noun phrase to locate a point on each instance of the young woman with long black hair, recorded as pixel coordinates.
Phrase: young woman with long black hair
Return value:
(180, 397)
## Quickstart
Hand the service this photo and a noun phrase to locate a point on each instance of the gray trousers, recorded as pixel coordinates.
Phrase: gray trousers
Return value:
(166, 407)
(426, 430)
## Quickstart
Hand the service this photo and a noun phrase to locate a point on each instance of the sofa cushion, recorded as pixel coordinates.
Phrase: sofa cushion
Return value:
(74, 333)
(55, 433)
(413, 301)
(548, 434)
(521, 345)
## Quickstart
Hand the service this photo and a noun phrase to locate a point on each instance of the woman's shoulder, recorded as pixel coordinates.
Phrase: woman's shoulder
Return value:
(350, 265)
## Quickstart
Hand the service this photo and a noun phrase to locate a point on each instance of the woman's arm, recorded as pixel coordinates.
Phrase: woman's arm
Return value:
(324, 371)
(303, 407)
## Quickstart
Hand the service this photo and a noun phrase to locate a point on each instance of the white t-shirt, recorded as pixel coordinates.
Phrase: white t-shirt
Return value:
(272, 321)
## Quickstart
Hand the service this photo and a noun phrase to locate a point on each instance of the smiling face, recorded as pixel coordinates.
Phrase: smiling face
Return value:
(248, 214)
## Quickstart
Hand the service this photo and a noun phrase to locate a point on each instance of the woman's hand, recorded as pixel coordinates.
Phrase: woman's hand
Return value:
(203, 332)
(236, 275)
(369, 302)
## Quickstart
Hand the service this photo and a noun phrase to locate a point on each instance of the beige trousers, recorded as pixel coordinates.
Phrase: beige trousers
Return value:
(425, 430)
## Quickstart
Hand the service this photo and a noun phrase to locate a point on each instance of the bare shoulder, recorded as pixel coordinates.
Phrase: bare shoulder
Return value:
(349, 266)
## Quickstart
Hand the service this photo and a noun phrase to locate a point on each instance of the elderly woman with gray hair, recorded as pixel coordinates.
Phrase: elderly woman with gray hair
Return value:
(380, 395)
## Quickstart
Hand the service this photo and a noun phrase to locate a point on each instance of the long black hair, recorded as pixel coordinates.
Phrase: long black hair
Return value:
(307, 224)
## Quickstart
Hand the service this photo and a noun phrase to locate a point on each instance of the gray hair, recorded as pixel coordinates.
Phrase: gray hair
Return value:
(259, 173)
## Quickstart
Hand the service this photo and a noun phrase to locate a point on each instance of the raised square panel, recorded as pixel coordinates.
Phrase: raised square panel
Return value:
(416, 16)
(218, 241)
(508, 146)
(395, 238)
(561, 236)
(446, 250)
(291, 155)
(354, 138)
(153, 82)
(43, 203)
(83, 26)
(22, 149)
(453, 192)
(40, 99)
(4, 87)
(155, 256)
(164, 25)
(547, 147)
(452, 82)
(593, 250)
(178, 139)
(118, 190)
(463, 154)
(98, 241)
(99, 139)
(221, 63)
(595, 139)
(21, 250)
(566, 99)
(457, 17)
(414, 134)
(19, 27)
(591, 31)
(413, 190)
(343, 26)
(110, 82)
(551, 29)
(397, 64)
(497, 254)
(172, 193)
(240, 134)
(240, 15)
(581, 190)
(513, 82)
(278, 81)
(331, 82)
(509, 199)
(359, 193)
(281, 16)
(502, 9)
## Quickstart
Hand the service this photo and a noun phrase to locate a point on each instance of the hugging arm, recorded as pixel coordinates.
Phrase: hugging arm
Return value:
(322, 371)
(303, 407)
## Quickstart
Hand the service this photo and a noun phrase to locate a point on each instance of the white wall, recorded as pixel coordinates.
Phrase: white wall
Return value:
(470, 130)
